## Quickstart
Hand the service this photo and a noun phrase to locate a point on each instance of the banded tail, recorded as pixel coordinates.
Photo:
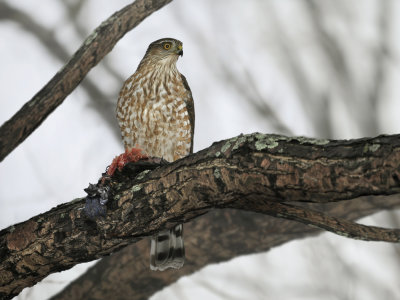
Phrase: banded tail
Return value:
(167, 250)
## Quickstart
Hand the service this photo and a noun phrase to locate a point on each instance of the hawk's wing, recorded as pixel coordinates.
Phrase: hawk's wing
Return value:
(190, 108)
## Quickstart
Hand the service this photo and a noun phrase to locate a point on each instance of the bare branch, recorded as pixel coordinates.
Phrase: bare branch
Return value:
(322, 221)
(103, 104)
(96, 46)
(253, 172)
(73, 11)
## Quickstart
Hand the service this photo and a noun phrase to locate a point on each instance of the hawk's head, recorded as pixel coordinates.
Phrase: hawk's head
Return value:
(163, 50)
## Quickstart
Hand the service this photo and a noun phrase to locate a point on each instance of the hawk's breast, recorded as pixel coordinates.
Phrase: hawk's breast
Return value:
(153, 115)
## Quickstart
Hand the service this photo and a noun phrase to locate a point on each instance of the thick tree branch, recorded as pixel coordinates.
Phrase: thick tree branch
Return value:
(253, 172)
(215, 237)
(96, 46)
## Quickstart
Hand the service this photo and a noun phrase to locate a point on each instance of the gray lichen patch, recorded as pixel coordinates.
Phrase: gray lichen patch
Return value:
(226, 146)
(267, 141)
(234, 143)
(371, 147)
(239, 140)
(136, 188)
(90, 38)
(374, 147)
(217, 173)
(270, 141)
(141, 175)
(306, 140)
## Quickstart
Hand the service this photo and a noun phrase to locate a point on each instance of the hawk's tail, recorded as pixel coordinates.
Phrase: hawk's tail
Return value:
(167, 250)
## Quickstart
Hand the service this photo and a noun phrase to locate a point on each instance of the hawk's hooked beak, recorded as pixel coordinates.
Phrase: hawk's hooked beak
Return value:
(180, 51)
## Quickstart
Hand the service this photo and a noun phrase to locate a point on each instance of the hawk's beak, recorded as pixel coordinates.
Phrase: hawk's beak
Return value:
(180, 51)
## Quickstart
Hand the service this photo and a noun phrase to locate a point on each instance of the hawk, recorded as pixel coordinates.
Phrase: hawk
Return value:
(155, 112)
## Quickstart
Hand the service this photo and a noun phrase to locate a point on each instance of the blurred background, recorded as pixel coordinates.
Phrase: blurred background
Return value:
(322, 68)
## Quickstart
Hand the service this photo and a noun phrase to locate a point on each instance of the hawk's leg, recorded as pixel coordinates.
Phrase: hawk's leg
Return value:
(132, 155)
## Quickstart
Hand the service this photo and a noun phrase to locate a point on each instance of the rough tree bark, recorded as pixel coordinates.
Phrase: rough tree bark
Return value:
(95, 47)
(215, 237)
(257, 172)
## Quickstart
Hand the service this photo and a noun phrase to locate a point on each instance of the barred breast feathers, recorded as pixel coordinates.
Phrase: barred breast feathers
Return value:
(155, 101)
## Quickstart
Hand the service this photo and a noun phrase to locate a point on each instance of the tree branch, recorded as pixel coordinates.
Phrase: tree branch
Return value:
(95, 47)
(320, 220)
(253, 172)
(101, 102)
(215, 237)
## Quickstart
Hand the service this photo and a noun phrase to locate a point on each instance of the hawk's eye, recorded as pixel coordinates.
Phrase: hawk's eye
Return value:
(167, 46)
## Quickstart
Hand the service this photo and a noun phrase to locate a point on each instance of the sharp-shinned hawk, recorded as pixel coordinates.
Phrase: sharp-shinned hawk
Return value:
(155, 112)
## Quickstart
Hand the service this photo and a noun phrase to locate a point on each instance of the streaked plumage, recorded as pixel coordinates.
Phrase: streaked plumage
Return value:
(155, 112)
